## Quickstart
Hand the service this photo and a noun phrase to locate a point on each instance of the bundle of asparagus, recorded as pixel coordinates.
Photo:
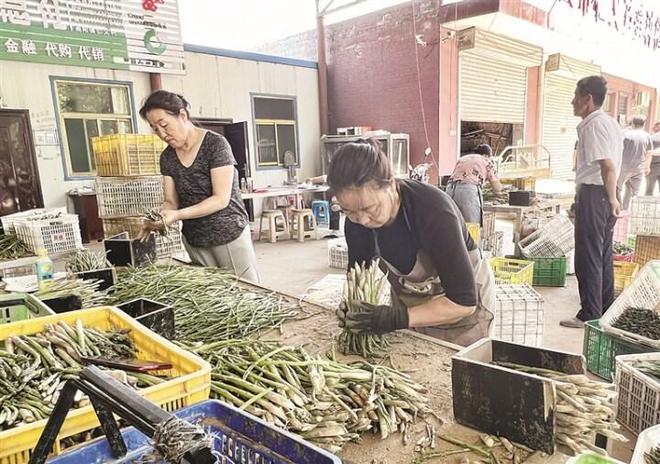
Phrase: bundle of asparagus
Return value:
(363, 284)
(34, 368)
(325, 401)
(584, 407)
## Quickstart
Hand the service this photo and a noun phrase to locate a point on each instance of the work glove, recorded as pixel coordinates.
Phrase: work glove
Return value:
(377, 319)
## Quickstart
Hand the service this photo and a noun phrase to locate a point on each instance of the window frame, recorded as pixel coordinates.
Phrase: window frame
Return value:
(275, 122)
(60, 116)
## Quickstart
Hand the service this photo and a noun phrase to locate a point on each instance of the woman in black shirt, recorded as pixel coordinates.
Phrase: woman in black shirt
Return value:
(440, 284)
(200, 184)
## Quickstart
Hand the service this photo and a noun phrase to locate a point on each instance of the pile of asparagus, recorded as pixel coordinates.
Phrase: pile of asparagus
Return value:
(210, 304)
(584, 408)
(640, 321)
(363, 284)
(11, 247)
(34, 368)
(325, 401)
(85, 260)
(652, 456)
(87, 290)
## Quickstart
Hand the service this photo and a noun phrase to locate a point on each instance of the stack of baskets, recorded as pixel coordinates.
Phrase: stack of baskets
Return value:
(489, 240)
(645, 224)
(130, 184)
(547, 248)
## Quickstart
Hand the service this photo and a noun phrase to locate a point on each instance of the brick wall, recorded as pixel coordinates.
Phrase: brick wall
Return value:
(372, 74)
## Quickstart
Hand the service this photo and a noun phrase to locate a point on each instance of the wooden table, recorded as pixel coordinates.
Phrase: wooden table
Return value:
(272, 192)
(518, 212)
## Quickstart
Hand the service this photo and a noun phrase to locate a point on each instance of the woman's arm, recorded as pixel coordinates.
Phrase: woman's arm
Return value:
(171, 199)
(222, 179)
(438, 311)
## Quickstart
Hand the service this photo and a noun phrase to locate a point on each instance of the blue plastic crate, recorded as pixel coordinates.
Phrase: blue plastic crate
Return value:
(239, 437)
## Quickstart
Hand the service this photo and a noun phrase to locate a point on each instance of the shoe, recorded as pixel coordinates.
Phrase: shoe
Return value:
(573, 323)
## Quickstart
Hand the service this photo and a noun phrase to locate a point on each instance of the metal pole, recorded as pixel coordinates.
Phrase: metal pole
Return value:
(322, 71)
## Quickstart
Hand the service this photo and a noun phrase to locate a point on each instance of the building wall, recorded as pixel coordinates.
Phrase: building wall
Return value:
(27, 86)
(220, 87)
(217, 87)
(373, 79)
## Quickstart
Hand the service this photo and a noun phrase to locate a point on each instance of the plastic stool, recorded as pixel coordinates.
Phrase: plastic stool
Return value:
(275, 231)
(303, 224)
(321, 210)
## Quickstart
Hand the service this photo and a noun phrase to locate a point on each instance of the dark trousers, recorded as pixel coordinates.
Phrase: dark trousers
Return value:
(594, 226)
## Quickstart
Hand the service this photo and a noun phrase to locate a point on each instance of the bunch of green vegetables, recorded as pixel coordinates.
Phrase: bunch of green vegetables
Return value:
(363, 284)
(34, 368)
(640, 321)
(11, 247)
(622, 249)
(86, 290)
(85, 260)
(325, 401)
(209, 304)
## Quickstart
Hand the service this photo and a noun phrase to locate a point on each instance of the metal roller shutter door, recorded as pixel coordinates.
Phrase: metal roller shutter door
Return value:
(491, 90)
(559, 133)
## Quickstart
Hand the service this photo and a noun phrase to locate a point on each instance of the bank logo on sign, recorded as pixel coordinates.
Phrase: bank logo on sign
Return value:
(152, 44)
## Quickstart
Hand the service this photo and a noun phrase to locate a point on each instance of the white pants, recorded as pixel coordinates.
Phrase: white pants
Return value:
(237, 256)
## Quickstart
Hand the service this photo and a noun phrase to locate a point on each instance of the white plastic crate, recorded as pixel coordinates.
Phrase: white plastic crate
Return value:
(647, 440)
(643, 292)
(128, 196)
(170, 244)
(9, 220)
(337, 253)
(57, 235)
(645, 216)
(518, 315)
(553, 240)
(638, 404)
(493, 244)
(488, 227)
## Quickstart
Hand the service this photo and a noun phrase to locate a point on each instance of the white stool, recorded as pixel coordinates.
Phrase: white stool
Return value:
(303, 224)
(275, 231)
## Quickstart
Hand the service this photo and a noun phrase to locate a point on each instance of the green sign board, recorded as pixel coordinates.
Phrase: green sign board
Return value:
(139, 35)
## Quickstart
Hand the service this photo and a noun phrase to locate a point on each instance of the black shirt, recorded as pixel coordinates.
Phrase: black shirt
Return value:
(428, 220)
(193, 185)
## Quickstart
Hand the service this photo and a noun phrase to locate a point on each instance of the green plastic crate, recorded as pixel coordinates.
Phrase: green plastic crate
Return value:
(16, 307)
(600, 349)
(549, 272)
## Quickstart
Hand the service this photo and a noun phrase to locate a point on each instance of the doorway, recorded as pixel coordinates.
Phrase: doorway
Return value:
(20, 189)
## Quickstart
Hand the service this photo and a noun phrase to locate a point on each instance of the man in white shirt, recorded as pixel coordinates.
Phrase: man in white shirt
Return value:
(636, 160)
(653, 177)
(599, 151)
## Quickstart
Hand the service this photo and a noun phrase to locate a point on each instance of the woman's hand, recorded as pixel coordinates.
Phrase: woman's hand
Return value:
(147, 228)
(169, 216)
(377, 319)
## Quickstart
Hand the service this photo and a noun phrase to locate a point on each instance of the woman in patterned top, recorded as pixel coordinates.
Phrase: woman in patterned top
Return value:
(465, 183)
(200, 184)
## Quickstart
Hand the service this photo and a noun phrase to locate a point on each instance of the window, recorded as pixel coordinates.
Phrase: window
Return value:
(276, 131)
(86, 110)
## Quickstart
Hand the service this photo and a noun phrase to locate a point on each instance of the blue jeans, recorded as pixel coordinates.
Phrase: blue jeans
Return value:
(468, 199)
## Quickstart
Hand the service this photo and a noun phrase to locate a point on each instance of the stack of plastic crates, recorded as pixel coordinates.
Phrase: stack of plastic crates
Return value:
(166, 245)
(127, 154)
(600, 349)
(549, 272)
(337, 254)
(128, 196)
(638, 405)
(622, 227)
(624, 273)
(57, 233)
(512, 271)
(518, 315)
(645, 224)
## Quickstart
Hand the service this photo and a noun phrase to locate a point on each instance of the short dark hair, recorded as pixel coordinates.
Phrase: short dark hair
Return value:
(484, 149)
(170, 102)
(638, 121)
(358, 163)
(596, 86)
